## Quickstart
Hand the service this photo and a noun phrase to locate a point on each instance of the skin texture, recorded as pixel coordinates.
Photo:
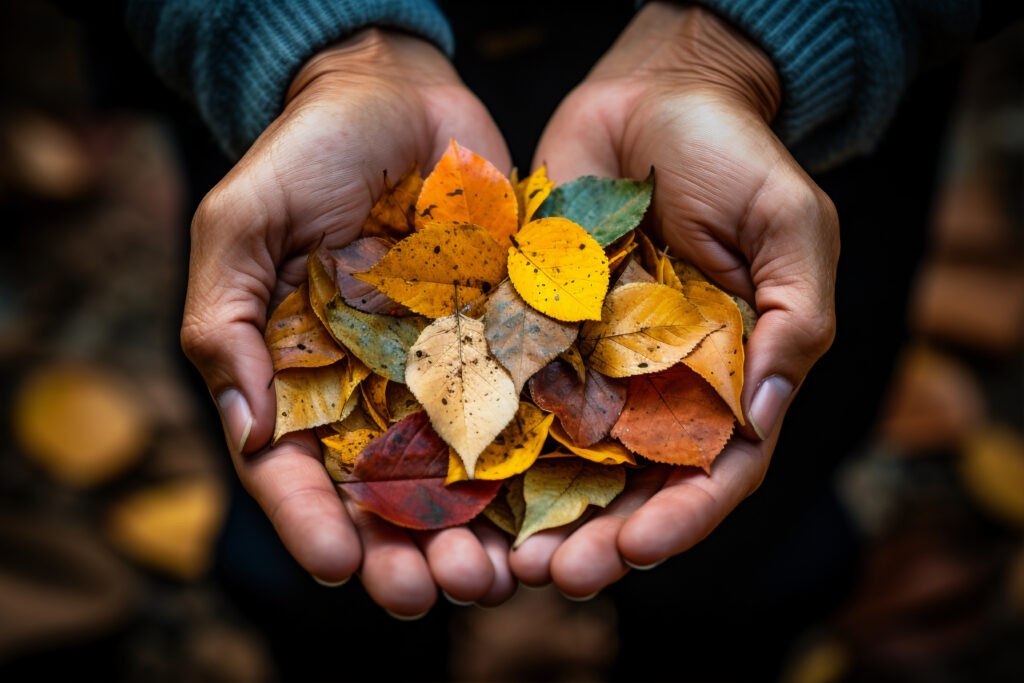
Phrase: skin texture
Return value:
(685, 93)
(380, 100)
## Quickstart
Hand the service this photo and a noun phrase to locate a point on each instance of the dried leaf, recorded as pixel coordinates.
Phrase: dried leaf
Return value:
(400, 402)
(394, 214)
(649, 255)
(719, 357)
(400, 477)
(513, 450)
(380, 341)
(342, 450)
(586, 409)
(572, 356)
(357, 419)
(559, 269)
(667, 274)
(748, 314)
(443, 264)
(522, 339)
(531, 193)
(684, 270)
(310, 397)
(500, 514)
(465, 188)
(604, 452)
(558, 492)
(607, 208)
(375, 403)
(296, 337)
(468, 395)
(674, 417)
(633, 272)
(643, 328)
(359, 257)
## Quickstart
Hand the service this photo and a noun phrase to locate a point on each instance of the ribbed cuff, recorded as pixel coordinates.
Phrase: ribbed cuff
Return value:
(239, 56)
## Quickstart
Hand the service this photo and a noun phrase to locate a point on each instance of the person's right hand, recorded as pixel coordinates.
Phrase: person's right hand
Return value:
(380, 100)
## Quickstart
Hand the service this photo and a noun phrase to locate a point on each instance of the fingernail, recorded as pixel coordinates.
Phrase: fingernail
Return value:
(328, 584)
(581, 599)
(404, 618)
(237, 417)
(460, 603)
(644, 567)
(535, 588)
(766, 407)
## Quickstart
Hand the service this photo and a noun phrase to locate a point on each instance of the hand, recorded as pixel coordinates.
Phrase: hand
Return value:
(683, 92)
(380, 100)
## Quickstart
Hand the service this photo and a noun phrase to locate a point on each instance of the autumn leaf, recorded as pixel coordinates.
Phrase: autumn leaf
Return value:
(531, 193)
(649, 255)
(394, 214)
(643, 328)
(685, 270)
(603, 452)
(620, 249)
(667, 274)
(468, 395)
(380, 341)
(607, 208)
(559, 269)
(310, 397)
(633, 272)
(400, 402)
(508, 508)
(513, 450)
(443, 264)
(296, 337)
(466, 188)
(674, 417)
(400, 477)
(374, 392)
(747, 313)
(586, 409)
(357, 419)
(322, 282)
(358, 257)
(558, 492)
(522, 339)
(572, 356)
(719, 357)
(342, 450)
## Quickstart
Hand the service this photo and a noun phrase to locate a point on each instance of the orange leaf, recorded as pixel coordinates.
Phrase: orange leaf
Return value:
(394, 214)
(466, 188)
(674, 417)
(296, 337)
(604, 452)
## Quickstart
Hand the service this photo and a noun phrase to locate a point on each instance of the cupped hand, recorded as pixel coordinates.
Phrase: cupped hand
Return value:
(685, 93)
(380, 100)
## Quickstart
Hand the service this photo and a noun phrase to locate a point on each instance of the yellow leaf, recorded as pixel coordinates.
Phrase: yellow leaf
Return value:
(604, 452)
(431, 269)
(310, 397)
(400, 402)
(465, 391)
(513, 450)
(558, 492)
(992, 468)
(644, 328)
(375, 403)
(342, 450)
(559, 269)
(572, 356)
(171, 527)
(531, 193)
(507, 511)
(667, 274)
(394, 214)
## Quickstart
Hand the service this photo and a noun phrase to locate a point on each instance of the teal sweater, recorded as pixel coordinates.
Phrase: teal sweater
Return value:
(844, 64)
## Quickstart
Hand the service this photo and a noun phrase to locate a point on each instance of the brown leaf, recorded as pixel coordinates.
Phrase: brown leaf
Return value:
(522, 339)
(587, 410)
(296, 337)
(394, 214)
(359, 257)
(674, 417)
(310, 397)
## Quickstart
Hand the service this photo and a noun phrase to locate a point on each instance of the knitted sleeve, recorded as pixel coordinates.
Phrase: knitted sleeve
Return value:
(234, 59)
(844, 64)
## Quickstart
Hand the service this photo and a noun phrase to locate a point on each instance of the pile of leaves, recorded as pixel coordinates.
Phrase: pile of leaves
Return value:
(505, 347)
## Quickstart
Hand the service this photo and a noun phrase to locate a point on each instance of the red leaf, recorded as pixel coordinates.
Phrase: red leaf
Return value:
(400, 476)
(675, 417)
(587, 410)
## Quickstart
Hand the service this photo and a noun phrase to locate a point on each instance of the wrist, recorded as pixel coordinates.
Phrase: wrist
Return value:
(680, 48)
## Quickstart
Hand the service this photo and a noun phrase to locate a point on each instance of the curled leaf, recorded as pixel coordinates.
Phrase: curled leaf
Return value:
(558, 492)
(394, 213)
(531, 193)
(310, 397)
(296, 337)
(603, 452)
(358, 257)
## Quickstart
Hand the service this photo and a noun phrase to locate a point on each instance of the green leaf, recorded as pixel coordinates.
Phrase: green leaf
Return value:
(380, 341)
(607, 208)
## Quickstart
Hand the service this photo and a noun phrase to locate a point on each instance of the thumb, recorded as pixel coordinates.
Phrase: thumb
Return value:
(231, 276)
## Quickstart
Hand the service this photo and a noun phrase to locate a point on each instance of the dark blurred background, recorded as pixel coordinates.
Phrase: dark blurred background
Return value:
(887, 543)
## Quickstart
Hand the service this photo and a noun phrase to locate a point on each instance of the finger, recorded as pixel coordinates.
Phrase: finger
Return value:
(692, 504)
(589, 559)
(394, 572)
(793, 266)
(458, 563)
(531, 561)
(576, 143)
(495, 544)
(300, 500)
(231, 277)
